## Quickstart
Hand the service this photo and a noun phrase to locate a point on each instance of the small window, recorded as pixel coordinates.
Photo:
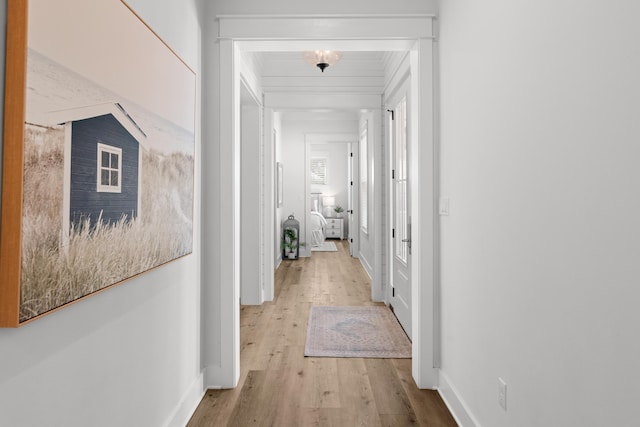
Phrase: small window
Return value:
(109, 169)
(319, 170)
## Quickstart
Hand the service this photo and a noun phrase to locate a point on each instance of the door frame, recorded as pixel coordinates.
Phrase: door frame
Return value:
(353, 219)
(413, 33)
(252, 158)
(309, 140)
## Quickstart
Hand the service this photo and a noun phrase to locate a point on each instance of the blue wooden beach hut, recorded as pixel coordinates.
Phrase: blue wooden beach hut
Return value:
(102, 165)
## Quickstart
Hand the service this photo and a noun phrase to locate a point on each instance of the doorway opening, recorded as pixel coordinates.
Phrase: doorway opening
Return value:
(412, 35)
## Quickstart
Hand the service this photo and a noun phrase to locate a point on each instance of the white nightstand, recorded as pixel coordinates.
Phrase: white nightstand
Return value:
(335, 228)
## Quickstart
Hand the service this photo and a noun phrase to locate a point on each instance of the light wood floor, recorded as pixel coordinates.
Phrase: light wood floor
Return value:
(280, 387)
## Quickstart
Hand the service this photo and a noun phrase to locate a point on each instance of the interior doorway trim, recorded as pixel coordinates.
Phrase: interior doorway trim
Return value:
(319, 138)
(254, 282)
(412, 33)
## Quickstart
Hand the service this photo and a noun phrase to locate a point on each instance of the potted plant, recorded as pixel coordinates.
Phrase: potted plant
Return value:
(290, 243)
(338, 210)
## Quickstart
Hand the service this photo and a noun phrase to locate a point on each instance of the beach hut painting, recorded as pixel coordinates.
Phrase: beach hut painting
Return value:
(98, 172)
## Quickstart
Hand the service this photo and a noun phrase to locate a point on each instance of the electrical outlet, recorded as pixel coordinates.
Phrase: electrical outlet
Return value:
(502, 393)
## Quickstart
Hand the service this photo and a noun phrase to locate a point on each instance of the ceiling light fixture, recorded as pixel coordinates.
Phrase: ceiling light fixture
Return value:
(322, 58)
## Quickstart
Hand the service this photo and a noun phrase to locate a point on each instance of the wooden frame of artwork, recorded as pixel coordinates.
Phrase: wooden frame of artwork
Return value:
(98, 154)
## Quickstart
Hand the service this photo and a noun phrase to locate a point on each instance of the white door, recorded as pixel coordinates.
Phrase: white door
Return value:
(352, 196)
(401, 221)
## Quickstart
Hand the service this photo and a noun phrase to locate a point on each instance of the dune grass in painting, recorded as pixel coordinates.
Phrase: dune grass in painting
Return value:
(96, 257)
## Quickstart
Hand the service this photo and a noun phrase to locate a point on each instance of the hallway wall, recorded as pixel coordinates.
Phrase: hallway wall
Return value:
(539, 149)
(131, 354)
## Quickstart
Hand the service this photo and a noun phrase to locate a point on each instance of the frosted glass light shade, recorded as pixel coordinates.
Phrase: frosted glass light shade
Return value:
(322, 58)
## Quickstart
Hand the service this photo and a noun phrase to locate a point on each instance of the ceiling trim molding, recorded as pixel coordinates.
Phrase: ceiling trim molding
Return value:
(329, 16)
(338, 27)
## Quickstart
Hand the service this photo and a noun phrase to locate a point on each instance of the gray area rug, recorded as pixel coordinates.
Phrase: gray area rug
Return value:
(326, 247)
(370, 331)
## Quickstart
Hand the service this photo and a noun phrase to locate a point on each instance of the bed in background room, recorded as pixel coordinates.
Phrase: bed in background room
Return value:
(317, 223)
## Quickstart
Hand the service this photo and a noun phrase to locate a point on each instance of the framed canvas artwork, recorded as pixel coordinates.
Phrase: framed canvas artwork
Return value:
(98, 154)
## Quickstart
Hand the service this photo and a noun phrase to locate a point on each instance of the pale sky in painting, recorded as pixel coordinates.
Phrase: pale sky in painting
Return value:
(112, 47)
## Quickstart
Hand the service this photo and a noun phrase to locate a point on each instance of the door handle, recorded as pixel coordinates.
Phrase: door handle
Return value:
(350, 211)
(408, 240)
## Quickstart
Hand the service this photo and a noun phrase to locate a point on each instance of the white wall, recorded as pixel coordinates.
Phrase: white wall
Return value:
(540, 272)
(129, 355)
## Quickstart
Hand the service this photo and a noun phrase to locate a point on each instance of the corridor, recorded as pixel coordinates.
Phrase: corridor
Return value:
(280, 387)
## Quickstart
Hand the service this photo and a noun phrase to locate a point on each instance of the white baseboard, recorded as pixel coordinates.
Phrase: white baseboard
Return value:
(182, 413)
(454, 402)
(367, 267)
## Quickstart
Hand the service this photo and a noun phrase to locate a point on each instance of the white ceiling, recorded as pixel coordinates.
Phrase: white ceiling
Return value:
(357, 72)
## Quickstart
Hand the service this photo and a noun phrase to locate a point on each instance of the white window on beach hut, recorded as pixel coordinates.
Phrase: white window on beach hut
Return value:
(109, 169)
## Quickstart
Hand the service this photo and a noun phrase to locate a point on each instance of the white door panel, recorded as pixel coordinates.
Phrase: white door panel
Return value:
(400, 219)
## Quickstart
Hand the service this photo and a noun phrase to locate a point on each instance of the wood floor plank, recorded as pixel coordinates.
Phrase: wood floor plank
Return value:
(289, 410)
(427, 404)
(321, 387)
(215, 408)
(278, 386)
(255, 389)
(253, 355)
(389, 394)
(356, 396)
(398, 420)
(245, 410)
(343, 417)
